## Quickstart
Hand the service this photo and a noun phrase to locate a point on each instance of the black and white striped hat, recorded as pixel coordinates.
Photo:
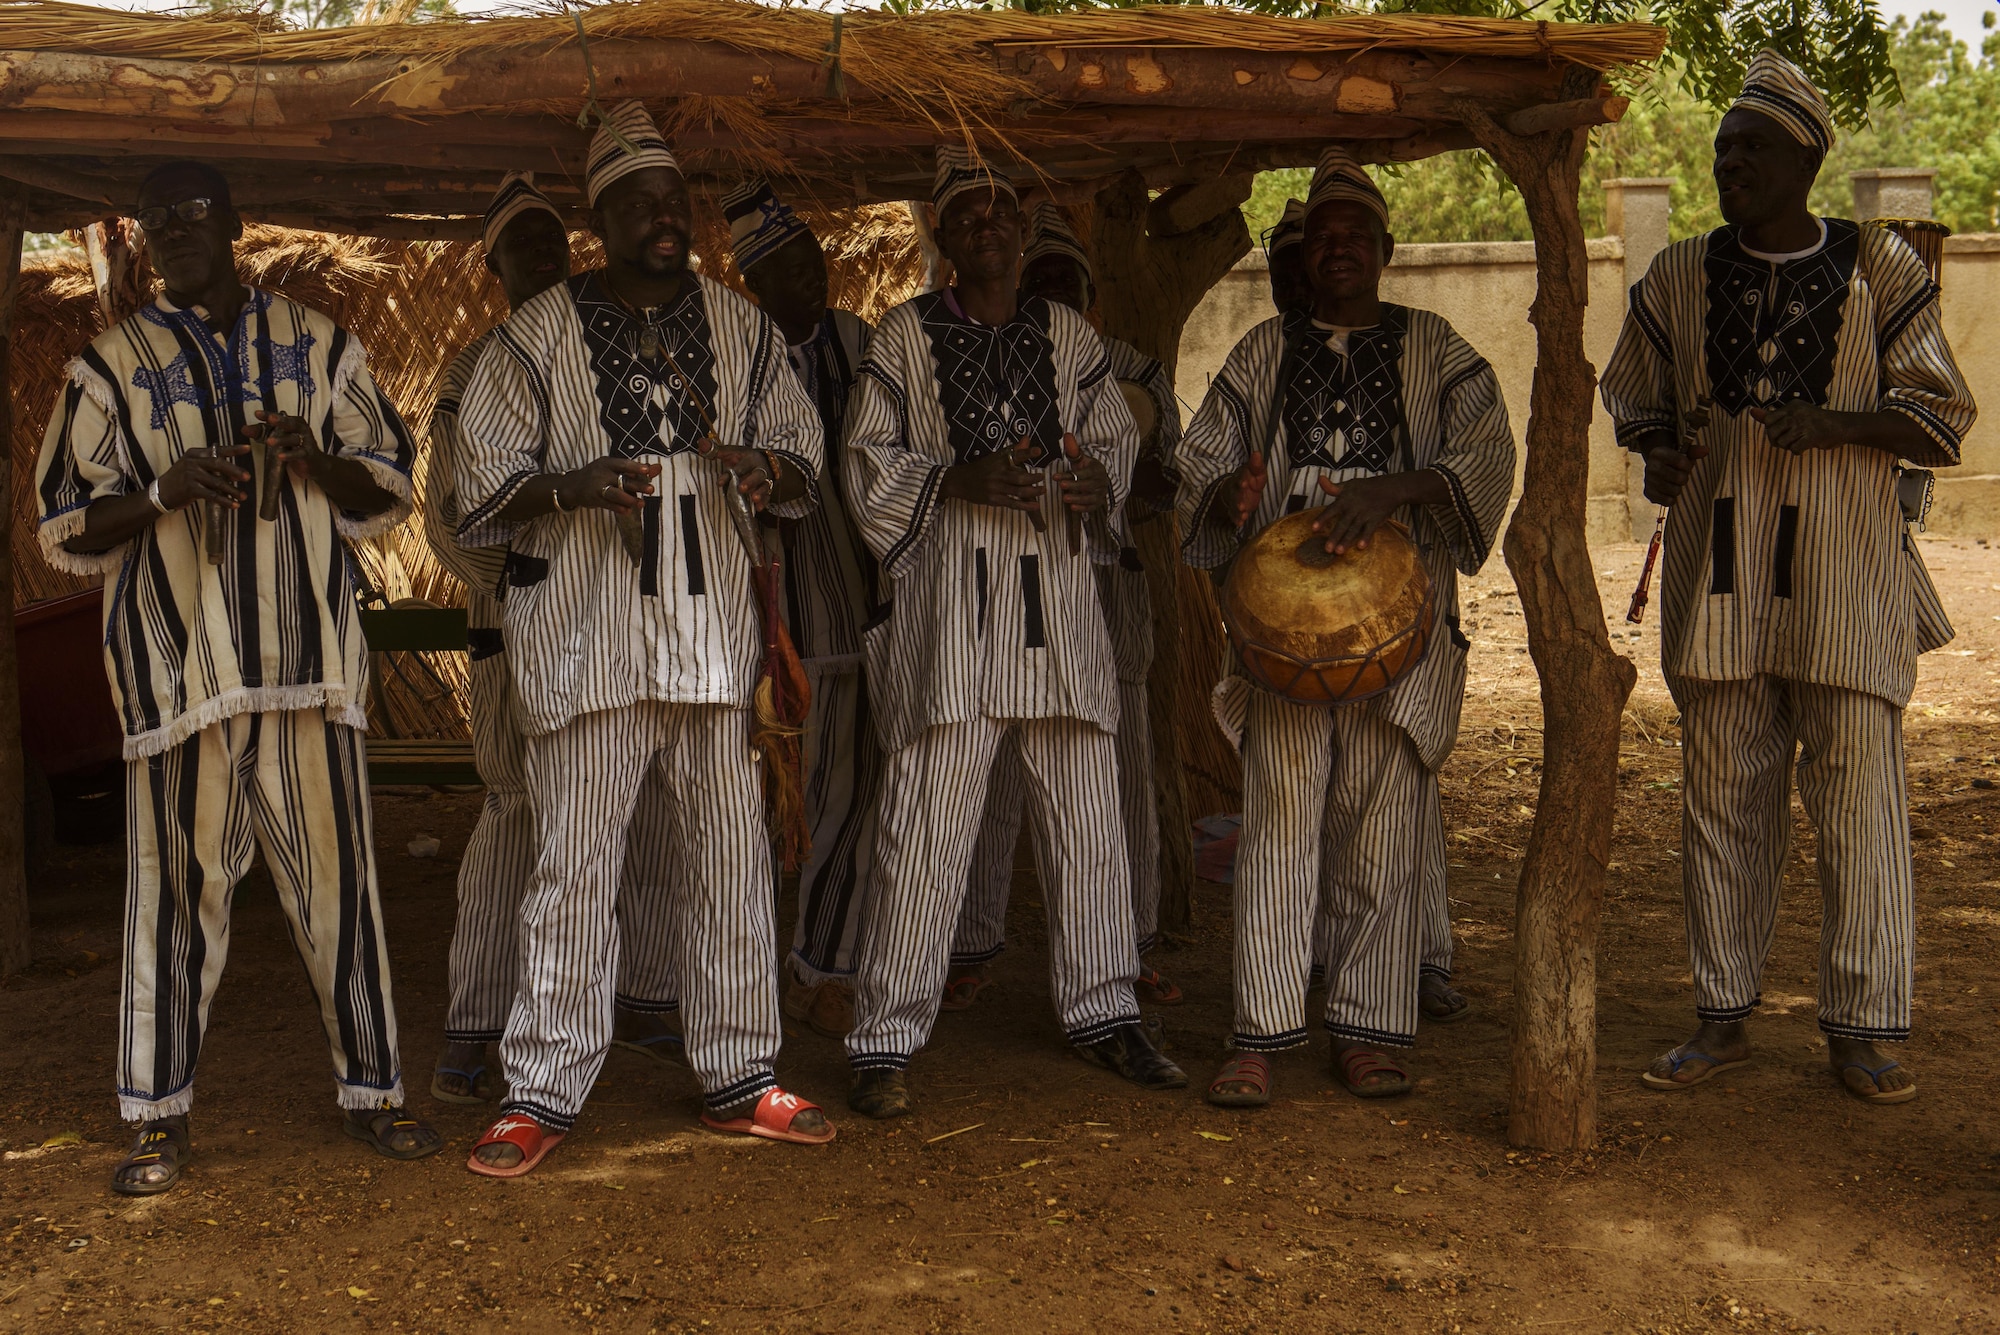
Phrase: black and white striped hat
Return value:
(628, 141)
(1777, 88)
(517, 195)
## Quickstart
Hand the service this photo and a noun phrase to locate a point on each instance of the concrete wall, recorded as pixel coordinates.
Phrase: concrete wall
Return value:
(1485, 290)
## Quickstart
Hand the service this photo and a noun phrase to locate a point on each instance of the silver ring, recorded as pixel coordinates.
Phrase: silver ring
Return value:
(613, 486)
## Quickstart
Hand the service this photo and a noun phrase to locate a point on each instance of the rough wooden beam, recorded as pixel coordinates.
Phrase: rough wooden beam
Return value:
(1551, 116)
(52, 176)
(297, 94)
(14, 939)
(1186, 208)
(1373, 83)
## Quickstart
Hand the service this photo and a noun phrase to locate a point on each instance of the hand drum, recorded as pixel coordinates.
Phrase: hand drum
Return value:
(1320, 629)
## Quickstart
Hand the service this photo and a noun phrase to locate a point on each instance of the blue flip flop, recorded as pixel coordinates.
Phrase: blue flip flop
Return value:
(1875, 1075)
(1680, 1057)
(471, 1078)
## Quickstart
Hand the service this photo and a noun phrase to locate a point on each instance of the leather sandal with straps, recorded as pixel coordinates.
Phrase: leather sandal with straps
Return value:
(157, 1159)
(391, 1132)
(1242, 1068)
(1354, 1067)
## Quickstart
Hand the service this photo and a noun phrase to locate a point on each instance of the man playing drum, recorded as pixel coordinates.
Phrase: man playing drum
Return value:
(1772, 373)
(1389, 413)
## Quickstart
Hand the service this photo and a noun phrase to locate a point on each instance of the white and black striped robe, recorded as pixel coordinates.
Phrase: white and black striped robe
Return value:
(625, 669)
(272, 627)
(1409, 395)
(1793, 602)
(988, 626)
(500, 856)
(241, 687)
(831, 589)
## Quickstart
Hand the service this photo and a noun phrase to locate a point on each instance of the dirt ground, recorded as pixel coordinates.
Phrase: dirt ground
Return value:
(1030, 1192)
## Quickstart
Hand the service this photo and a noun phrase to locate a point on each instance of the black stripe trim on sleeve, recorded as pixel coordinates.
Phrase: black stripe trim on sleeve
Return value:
(1034, 634)
(697, 580)
(649, 556)
(1648, 325)
(1633, 430)
(1905, 314)
(1929, 421)
(1472, 372)
(1467, 518)
(1096, 373)
(1781, 560)
(926, 501)
(496, 502)
(1722, 547)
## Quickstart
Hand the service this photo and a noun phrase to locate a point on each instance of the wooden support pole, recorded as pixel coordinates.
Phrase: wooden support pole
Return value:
(1148, 283)
(14, 941)
(1584, 683)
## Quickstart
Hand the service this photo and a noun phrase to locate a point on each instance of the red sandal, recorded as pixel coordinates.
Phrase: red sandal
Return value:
(1156, 987)
(962, 992)
(1353, 1067)
(771, 1119)
(1242, 1068)
(524, 1134)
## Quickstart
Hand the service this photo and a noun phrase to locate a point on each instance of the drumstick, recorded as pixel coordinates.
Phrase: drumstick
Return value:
(1636, 613)
(1692, 423)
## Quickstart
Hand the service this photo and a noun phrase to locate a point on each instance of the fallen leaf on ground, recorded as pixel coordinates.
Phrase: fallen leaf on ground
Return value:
(1213, 1135)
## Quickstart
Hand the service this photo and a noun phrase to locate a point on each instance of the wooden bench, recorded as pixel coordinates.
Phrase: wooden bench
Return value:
(418, 761)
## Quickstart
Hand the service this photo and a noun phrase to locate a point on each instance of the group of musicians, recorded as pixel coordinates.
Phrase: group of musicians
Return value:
(951, 494)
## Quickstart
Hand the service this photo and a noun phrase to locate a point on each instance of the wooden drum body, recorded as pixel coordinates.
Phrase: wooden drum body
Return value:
(1324, 630)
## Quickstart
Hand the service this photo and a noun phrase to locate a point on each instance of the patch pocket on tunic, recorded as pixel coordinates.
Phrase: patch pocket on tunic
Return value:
(524, 572)
(1722, 547)
(691, 549)
(880, 617)
(1781, 559)
(1033, 634)
(1128, 559)
(1457, 636)
(649, 543)
(483, 642)
(979, 589)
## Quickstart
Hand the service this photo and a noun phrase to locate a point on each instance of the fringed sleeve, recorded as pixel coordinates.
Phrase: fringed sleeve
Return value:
(82, 461)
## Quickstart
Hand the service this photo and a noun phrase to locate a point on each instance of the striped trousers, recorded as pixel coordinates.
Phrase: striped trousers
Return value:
(1341, 817)
(1740, 741)
(584, 780)
(499, 859)
(843, 778)
(982, 925)
(295, 785)
(1436, 956)
(933, 800)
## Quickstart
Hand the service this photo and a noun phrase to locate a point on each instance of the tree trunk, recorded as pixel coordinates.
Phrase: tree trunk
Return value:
(1155, 261)
(14, 950)
(1584, 684)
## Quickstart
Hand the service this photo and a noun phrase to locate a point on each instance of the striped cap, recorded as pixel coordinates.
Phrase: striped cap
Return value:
(959, 169)
(1339, 176)
(517, 195)
(1777, 88)
(1050, 234)
(759, 222)
(1290, 230)
(627, 141)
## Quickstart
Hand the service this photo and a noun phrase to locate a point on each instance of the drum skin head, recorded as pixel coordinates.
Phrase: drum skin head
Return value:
(1327, 631)
(1144, 414)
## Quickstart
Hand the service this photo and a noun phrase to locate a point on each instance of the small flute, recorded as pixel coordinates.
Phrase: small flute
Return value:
(274, 476)
(214, 541)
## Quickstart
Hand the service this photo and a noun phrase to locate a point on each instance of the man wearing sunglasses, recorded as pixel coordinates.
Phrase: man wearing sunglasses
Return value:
(234, 650)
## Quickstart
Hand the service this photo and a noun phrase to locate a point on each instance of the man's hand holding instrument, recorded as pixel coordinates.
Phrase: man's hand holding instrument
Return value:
(1669, 463)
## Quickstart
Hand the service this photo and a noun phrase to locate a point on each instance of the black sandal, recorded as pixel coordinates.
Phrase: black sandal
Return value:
(392, 1134)
(163, 1144)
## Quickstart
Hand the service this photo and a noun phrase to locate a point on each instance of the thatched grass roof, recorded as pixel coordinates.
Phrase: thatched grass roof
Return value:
(379, 127)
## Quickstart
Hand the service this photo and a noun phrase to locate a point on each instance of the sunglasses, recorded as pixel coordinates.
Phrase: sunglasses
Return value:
(155, 218)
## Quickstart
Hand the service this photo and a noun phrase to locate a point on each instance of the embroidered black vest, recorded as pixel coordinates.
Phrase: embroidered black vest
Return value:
(1797, 315)
(625, 380)
(996, 384)
(1360, 394)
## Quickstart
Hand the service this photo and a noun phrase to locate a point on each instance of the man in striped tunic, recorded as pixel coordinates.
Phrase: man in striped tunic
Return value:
(1771, 374)
(234, 649)
(613, 431)
(993, 635)
(1056, 268)
(830, 592)
(527, 249)
(1388, 412)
